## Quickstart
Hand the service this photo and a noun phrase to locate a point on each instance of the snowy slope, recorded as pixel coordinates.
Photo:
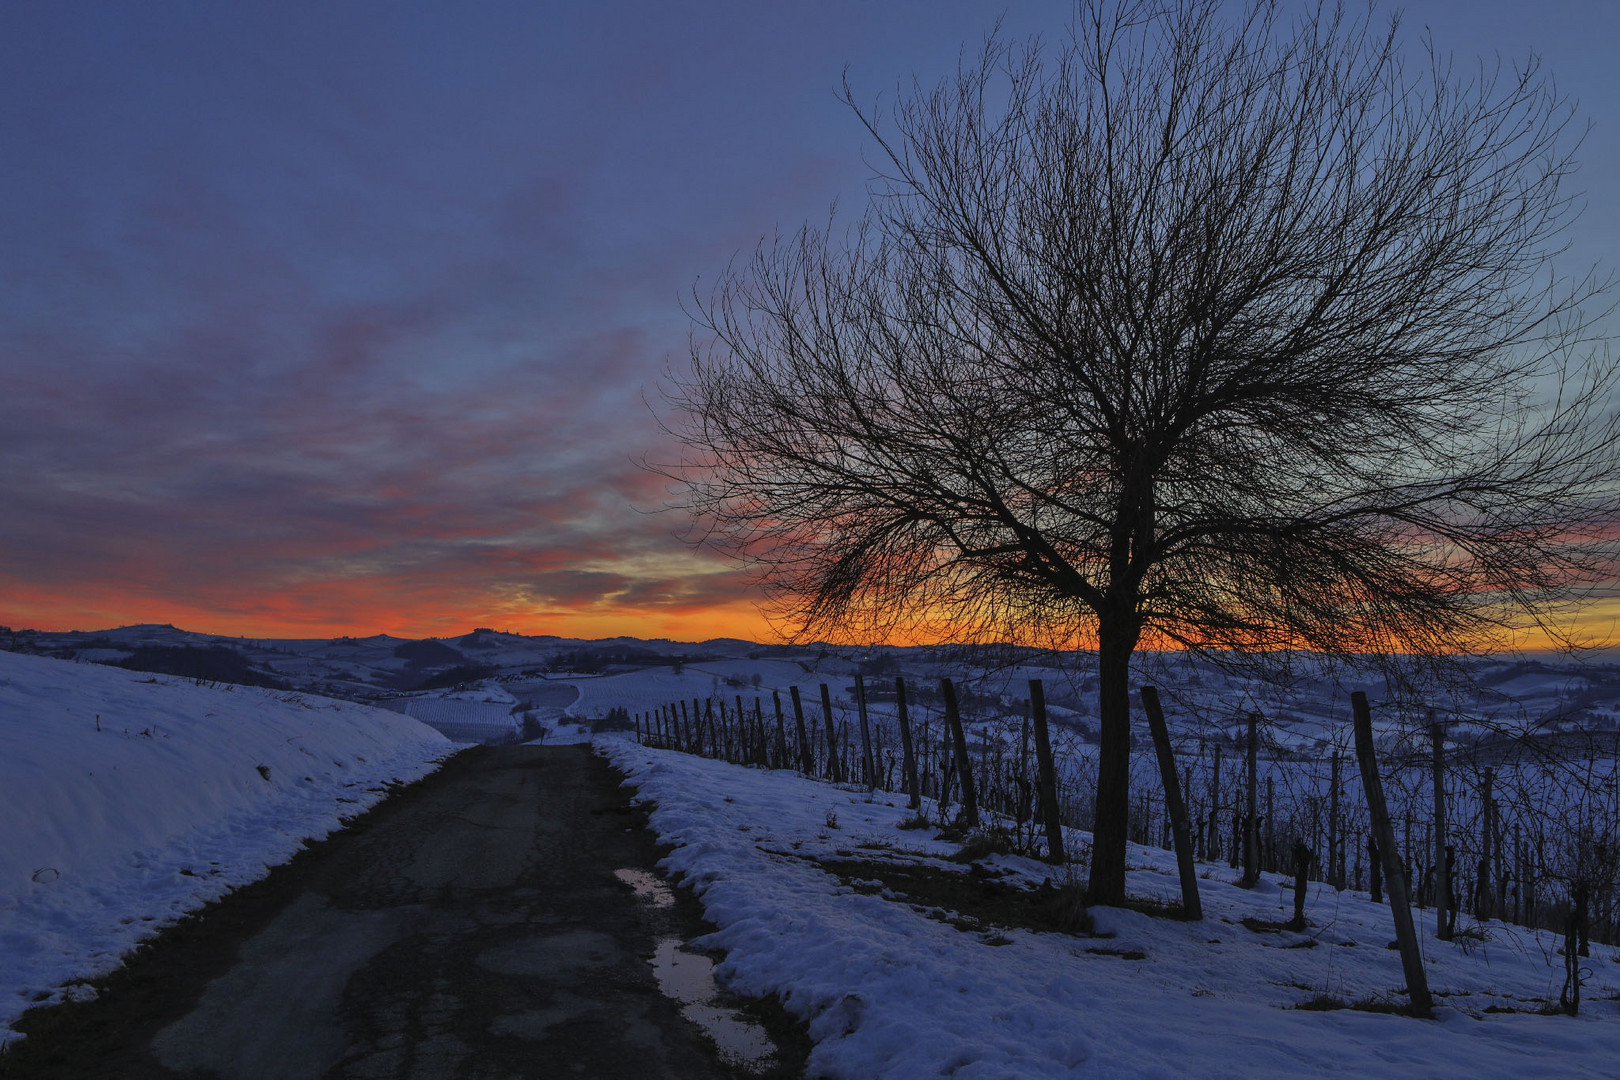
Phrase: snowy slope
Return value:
(128, 799)
(892, 988)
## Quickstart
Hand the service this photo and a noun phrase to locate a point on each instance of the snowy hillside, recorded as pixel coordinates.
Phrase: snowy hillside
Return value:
(129, 799)
(907, 963)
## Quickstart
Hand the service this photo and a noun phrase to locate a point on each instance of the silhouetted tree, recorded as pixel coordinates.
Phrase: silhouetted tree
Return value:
(1239, 336)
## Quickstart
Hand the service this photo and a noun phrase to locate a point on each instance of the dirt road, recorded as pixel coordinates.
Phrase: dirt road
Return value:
(473, 925)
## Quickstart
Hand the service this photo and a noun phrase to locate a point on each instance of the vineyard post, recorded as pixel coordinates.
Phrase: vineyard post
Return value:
(1485, 895)
(1335, 872)
(866, 733)
(1271, 824)
(781, 731)
(1251, 820)
(807, 759)
(1442, 865)
(1046, 775)
(1417, 983)
(964, 766)
(908, 753)
(833, 771)
(1192, 907)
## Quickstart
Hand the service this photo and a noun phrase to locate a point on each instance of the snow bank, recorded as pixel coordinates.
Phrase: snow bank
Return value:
(889, 991)
(128, 800)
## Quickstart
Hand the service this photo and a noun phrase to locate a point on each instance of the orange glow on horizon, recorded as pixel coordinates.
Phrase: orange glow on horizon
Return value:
(363, 607)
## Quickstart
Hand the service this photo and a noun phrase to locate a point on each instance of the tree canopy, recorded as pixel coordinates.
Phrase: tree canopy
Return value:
(1230, 335)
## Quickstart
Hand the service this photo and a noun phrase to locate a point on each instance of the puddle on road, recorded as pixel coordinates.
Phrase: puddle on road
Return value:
(687, 978)
(650, 888)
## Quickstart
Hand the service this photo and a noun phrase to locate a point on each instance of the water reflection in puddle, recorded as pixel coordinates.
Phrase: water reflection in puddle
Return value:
(687, 978)
(650, 889)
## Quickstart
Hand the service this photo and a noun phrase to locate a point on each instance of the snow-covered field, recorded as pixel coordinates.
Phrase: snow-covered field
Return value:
(129, 799)
(472, 716)
(898, 987)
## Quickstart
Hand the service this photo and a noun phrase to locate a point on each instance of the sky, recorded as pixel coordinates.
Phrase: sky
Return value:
(324, 319)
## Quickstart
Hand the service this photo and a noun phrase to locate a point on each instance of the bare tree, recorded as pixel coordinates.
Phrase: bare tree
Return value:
(1239, 337)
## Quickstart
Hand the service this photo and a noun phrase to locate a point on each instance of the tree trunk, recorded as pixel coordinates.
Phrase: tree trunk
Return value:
(964, 767)
(1046, 775)
(1417, 983)
(908, 753)
(1192, 908)
(1116, 639)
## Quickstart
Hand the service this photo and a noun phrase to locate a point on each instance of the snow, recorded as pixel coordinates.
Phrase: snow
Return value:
(128, 800)
(888, 990)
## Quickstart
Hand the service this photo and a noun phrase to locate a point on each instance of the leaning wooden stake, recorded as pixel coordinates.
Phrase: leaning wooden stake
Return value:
(834, 772)
(867, 763)
(1417, 984)
(964, 767)
(807, 757)
(1046, 775)
(908, 753)
(1192, 908)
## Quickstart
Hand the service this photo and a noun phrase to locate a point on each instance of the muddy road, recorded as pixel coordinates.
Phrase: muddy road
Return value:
(501, 918)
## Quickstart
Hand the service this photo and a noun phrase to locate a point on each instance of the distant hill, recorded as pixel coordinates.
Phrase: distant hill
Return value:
(211, 663)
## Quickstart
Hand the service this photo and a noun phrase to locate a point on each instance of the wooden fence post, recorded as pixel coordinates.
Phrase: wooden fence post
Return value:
(964, 766)
(833, 770)
(1251, 820)
(807, 759)
(781, 731)
(1335, 873)
(1302, 866)
(1417, 983)
(908, 752)
(1485, 894)
(1192, 908)
(1442, 866)
(1046, 775)
(867, 762)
